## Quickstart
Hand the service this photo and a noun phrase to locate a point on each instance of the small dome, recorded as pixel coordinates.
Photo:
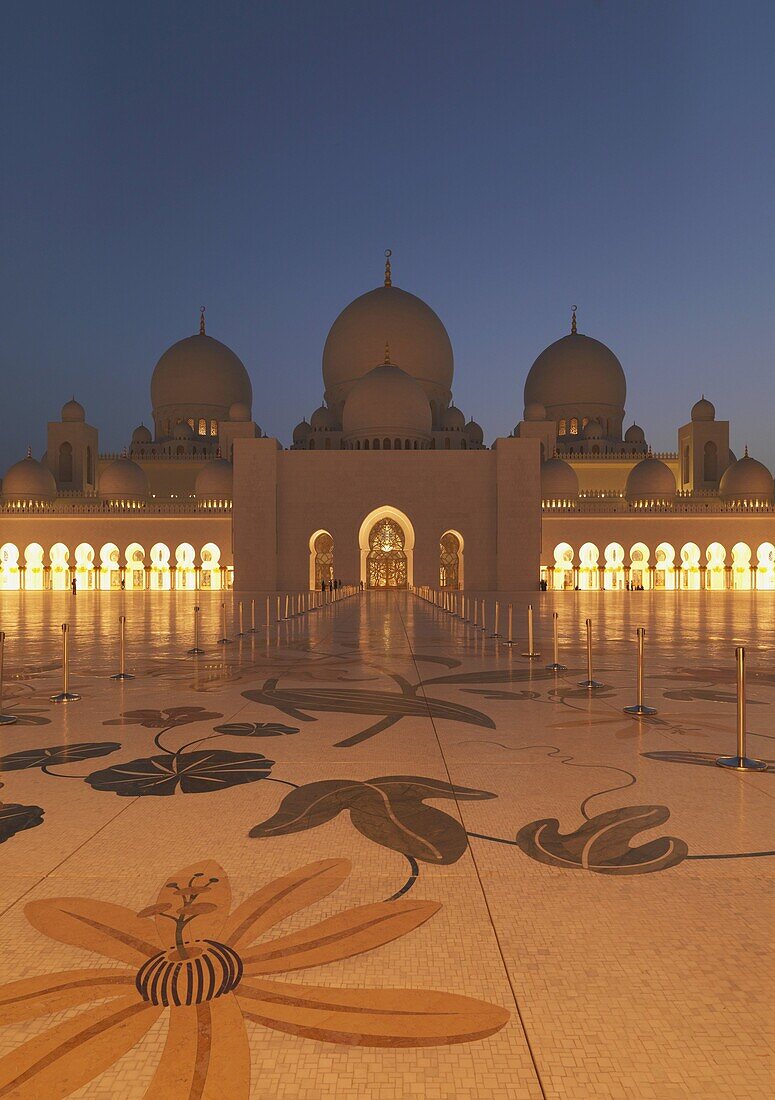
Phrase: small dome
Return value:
(593, 430)
(323, 420)
(123, 480)
(650, 480)
(559, 480)
(182, 430)
(474, 433)
(747, 480)
(635, 434)
(534, 410)
(301, 432)
(215, 481)
(387, 401)
(453, 419)
(703, 410)
(73, 411)
(239, 412)
(141, 434)
(29, 480)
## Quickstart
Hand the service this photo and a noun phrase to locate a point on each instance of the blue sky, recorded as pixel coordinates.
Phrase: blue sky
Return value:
(259, 158)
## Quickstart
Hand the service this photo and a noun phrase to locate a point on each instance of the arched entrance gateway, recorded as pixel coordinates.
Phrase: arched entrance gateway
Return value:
(386, 564)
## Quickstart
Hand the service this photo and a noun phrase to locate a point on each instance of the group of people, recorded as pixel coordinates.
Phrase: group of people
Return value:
(330, 586)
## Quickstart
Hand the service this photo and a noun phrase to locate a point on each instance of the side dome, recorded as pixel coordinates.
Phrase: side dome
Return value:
(239, 412)
(703, 409)
(215, 481)
(453, 419)
(182, 430)
(323, 420)
(593, 430)
(474, 433)
(141, 434)
(123, 481)
(578, 376)
(415, 333)
(747, 480)
(559, 481)
(73, 412)
(197, 377)
(635, 434)
(387, 402)
(534, 410)
(301, 433)
(650, 481)
(29, 481)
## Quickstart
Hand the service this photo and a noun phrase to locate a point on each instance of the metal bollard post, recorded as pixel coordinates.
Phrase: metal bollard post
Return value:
(253, 616)
(196, 650)
(5, 719)
(555, 666)
(509, 637)
(223, 640)
(495, 633)
(268, 612)
(122, 674)
(483, 623)
(590, 682)
(65, 695)
(241, 632)
(277, 619)
(639, 708)
(741, 762)
(531, 650)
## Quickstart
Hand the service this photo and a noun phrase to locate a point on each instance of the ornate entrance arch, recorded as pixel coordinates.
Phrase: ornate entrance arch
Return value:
(386, 541)
(321, 559)
(451, 560)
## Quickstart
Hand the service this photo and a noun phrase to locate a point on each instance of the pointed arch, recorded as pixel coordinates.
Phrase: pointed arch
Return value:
(386, 511)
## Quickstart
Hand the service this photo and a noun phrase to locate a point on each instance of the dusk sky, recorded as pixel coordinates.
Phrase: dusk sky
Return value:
(259, 158)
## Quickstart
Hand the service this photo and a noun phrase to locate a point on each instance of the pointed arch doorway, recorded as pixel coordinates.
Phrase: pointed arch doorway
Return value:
(386, 541)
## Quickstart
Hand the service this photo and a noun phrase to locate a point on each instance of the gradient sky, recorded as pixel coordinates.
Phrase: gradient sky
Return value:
(259, 158)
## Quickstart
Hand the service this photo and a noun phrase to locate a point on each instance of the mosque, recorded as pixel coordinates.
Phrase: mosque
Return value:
(388, 483)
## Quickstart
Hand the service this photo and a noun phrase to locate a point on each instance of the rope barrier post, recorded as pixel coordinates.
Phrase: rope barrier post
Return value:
(741, 762)
(253, 616)
(590, 682)
(65, 695)
(278, 608)
(555, 666)
(5, 719)
(509, 637)
(223, 640)
(495, 633)
(639, 708)
(483, 623)
(122, 674)
(531, 650)
(196, 649)
(241, 632)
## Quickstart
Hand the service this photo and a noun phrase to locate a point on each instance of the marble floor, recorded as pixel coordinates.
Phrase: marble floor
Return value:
(378, 854)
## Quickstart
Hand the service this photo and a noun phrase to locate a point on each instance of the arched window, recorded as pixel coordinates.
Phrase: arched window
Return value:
(463, 444)
(562, 427)
(447, 443)
(584, 421)
(179, 450)
(213, 427)
(574, 425)
(202, 426)
(66, 462)
(386, 444)
(377, 444)
(449, 560)
(366, 445)
(323, 550)
(710, 461)
(327, 443)
(311, 444)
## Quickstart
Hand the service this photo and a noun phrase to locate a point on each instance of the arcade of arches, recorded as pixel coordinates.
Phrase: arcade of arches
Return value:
(687, 567)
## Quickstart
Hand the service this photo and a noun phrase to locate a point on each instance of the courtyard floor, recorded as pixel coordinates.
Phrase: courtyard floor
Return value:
(378, 854)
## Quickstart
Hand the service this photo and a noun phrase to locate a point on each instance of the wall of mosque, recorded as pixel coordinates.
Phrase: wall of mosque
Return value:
(284, 499)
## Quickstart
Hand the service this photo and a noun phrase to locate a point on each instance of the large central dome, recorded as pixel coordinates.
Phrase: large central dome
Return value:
(417, 338)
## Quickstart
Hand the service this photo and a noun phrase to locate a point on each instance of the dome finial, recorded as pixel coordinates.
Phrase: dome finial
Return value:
(202, 321)
(387, 349)
(746, 451)
(573, 321)
(29, 451)
(388, 279)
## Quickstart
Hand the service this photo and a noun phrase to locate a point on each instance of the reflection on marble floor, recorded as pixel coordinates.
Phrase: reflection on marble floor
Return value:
(447, 871)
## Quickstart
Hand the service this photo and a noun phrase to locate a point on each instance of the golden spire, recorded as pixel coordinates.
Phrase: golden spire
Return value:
(29, 451)
(746, 451)
(573, 321)
(387, 350)
(388, 254)
(202, 321)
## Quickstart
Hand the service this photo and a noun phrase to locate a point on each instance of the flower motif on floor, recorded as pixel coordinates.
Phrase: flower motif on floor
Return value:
(192, 956)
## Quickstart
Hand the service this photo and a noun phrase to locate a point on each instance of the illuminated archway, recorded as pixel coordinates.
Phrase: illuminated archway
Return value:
(34, 570)
(161, 578)
(589, 573)
(451, 560)
(110, 569)
(60, 568)
(715, 574)
(321, 559)
(664, 575)
(9, 567)
(741, 566)
(563, 566)
(690, 566)
(386, 512)
(765, 568)
(84, 565)
(640, 575)
(185, 570)
(211, 567)
(613, 578)
(135, 567)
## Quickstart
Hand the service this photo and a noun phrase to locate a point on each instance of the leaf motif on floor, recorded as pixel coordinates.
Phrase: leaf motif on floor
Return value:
(55, 754)
(15, 818)
(187, 772)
